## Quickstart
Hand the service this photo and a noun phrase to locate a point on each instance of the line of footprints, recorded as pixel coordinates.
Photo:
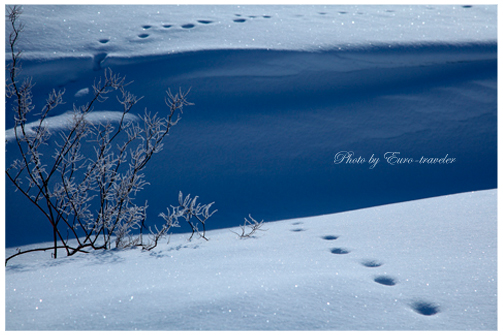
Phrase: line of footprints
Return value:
(421, 307)
(146, 27)
(239, 18)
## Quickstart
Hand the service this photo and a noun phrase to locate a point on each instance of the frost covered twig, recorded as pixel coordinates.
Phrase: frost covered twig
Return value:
(252, 225)
(192, 212)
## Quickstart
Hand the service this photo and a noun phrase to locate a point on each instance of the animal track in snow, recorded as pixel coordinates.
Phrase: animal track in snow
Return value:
(104, 40)
(204, 21)
(371, 263)
(98, 59)
(143, 35)
(330, 237)
(425, 308)
(241, 19)
(167, 26)
(146, 26)
(339, 251)
(298, 230)
(188, 26)
(158, 254)
(385, 280)
(297, 223)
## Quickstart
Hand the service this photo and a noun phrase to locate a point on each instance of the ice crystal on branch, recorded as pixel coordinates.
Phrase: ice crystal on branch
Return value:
(90, 199)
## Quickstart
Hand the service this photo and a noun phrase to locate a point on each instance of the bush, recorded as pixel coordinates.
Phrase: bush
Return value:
(88, 201)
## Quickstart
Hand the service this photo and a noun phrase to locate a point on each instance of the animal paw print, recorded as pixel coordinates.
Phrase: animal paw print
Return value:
(296, 230)
(425, 308)
(336, 251)
(371, 263)
(385, 280)
(330, 237)
(145, 27)
(339, 251)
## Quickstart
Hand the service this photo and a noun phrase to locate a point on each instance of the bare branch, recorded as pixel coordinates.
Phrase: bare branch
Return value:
(253, 226)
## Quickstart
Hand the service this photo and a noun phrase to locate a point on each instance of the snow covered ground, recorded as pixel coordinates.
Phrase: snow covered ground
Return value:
(420, 265)
(279, 91)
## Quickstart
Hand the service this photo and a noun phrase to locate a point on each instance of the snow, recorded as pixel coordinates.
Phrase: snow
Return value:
(61, 122)
(174, 29)
(440, 252)
(278, 92)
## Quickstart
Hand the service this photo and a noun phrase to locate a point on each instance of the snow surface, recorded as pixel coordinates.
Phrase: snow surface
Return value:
(80, 31)
(438, 253)
(62, 122)
(278, 92)
(268, 117)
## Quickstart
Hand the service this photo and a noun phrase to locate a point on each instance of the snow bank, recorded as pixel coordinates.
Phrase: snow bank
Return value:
(421, 265)
(64, 121)
(99, 31)
(269, 118)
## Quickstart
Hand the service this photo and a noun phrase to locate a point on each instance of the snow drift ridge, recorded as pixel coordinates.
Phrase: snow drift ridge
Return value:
(267, 124)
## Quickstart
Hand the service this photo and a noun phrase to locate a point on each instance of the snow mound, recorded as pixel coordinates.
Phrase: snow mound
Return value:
(420, 265)
(101, 31)
(65, 121)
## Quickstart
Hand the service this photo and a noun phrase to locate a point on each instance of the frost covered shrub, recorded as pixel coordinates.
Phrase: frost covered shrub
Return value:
(88, 200)
(249, 228)
(188, 209)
